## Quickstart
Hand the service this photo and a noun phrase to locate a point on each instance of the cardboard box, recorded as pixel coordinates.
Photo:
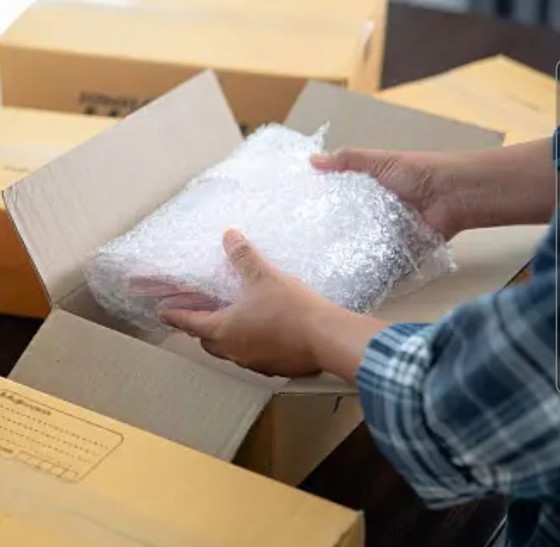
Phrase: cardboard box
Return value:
(497, 93)
(28, 140)
(110, 57)
(68, 473)
(169, 387)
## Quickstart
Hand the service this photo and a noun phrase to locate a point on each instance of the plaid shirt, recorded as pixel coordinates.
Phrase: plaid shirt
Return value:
(468, 406)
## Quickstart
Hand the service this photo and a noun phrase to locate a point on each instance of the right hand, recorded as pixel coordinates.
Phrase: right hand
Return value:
(419, 179)
(459, 191)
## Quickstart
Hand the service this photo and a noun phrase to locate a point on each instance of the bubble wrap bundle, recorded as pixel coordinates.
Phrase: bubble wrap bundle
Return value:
(343, 234)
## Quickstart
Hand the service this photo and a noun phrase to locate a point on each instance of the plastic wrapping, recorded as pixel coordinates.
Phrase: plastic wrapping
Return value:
(343, 234)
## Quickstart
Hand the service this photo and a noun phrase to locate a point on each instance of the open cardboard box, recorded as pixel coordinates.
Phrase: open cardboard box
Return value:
(109, 57)
(70, 476)
(28, 140)
(101, 189)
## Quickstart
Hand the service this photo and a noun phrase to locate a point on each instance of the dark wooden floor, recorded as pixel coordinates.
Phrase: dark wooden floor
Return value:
(356, 475)
(420, 43)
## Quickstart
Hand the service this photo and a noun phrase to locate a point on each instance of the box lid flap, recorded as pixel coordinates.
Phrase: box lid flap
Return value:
(487, 259)
(361, 121)
(99, 190)
(144, 386)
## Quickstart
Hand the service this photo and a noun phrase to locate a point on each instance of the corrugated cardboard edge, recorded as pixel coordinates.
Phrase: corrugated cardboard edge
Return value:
(139, 384)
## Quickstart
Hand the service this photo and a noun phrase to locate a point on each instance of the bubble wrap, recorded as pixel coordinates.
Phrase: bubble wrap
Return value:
(343, 234)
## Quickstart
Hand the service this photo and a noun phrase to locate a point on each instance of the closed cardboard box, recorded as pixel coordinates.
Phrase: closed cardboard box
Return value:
(28, 140)
(498, 93)
(109, 57)
(72, 477)
(279, 427)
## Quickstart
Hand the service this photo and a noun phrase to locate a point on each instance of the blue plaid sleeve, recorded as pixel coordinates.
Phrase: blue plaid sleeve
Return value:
(469, 406)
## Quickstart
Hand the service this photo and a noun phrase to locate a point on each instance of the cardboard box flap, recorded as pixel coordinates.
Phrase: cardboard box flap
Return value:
(102, 188)
(19, 159)
(31, 138)
(487, 259)
(361, 121)
(141, 385)
(324, 384)
(114, 485)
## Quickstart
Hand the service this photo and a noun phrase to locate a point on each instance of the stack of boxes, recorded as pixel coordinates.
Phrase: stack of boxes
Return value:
(88, 383)
(110, 57)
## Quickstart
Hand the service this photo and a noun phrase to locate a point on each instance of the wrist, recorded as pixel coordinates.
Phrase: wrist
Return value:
(337, 339)
(503, 186)
(450, 177)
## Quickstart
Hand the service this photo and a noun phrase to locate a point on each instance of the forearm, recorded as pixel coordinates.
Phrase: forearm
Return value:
(511, 185)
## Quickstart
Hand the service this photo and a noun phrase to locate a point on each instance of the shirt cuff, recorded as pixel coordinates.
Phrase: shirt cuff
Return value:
(391, 358)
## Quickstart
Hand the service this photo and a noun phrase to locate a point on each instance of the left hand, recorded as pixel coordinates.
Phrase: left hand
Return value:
(269, 328)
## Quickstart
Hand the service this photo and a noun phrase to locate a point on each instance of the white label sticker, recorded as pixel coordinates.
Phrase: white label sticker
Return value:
(51, 440)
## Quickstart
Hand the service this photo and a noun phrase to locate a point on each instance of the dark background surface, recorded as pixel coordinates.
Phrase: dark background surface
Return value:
(420, 42)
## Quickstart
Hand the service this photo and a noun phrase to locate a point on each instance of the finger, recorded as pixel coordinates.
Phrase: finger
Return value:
(213, 348)
(190, 301)
(325, 162)
(354, 159)
(145, 286)
(244, 257)
(200, 324)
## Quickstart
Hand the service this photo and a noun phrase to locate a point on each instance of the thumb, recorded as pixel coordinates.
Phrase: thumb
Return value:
(244, 257)
(199, 324)
(354, 159)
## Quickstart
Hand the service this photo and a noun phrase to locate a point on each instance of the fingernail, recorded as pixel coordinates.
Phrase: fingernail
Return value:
(231, 235)
(166, 322)
(321, 160)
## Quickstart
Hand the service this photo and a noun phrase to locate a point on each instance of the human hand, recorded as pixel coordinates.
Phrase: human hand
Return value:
(422, 180)
(278, 326)
(267, 330)
(459, 191)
